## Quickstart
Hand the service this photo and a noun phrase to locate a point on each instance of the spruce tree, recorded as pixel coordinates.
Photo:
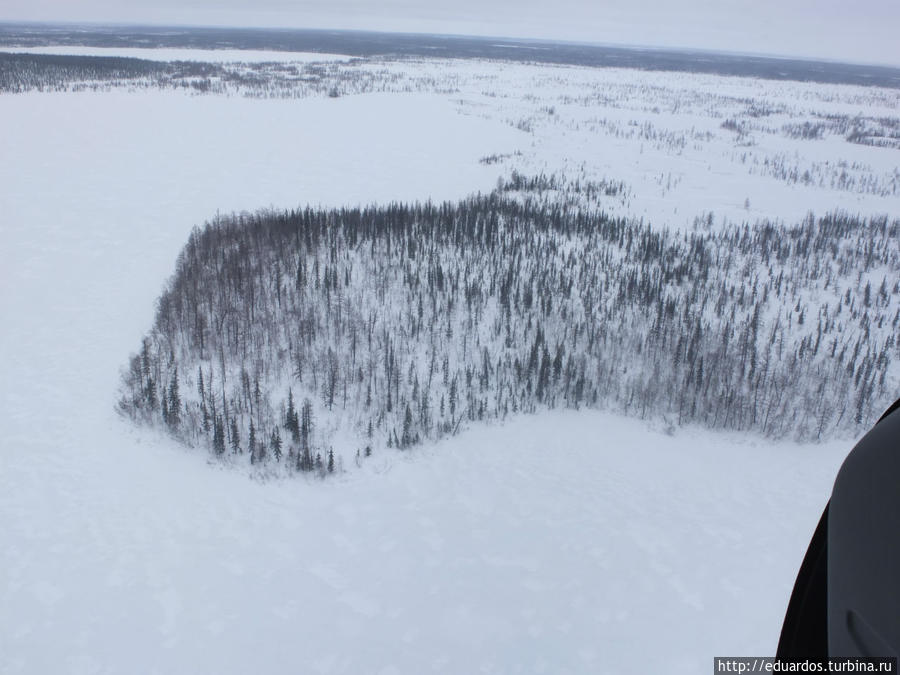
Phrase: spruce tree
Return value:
(219, 435)
(306, 422)
(150, 395)
(174, 417)
(165, 408)
(201, 391)
(291, 421)
(276, 445)
(407, 437)
(235, 437)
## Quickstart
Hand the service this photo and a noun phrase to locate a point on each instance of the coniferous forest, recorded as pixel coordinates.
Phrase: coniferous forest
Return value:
(287, 336)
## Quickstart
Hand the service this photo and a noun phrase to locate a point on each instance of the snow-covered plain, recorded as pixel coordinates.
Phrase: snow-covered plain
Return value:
(565, 542)
(562, 543)
(663, 135)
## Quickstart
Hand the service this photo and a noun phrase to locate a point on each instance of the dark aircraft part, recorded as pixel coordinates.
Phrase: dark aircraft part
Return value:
(846, 600)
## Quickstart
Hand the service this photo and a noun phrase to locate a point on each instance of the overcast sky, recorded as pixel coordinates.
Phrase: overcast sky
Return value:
(854, 30)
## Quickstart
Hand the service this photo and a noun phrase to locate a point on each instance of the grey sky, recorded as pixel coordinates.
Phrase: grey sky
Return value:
(854, 30)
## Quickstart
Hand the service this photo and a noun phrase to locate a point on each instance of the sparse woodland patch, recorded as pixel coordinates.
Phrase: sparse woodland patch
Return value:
(281, 332)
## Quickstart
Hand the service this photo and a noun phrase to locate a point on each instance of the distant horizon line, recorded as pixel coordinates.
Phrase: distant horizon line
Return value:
(405, 33)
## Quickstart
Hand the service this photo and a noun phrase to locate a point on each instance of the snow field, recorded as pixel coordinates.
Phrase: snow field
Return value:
(580, 542)
(566, 542)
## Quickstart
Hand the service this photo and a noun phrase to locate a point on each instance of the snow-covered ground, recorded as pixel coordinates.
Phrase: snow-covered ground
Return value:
(663, 135)
(579, 542)
(685, 145)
